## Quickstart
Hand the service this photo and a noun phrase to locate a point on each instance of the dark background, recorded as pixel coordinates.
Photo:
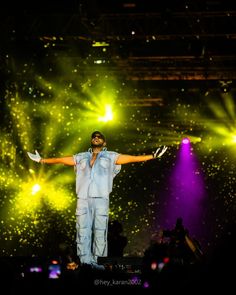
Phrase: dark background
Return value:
(166, 75)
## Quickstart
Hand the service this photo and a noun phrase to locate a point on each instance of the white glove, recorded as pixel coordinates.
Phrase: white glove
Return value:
(35, 157)
(159, 152)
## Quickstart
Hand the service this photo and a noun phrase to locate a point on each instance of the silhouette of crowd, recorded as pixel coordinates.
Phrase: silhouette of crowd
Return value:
(172, 255)
(116, 241)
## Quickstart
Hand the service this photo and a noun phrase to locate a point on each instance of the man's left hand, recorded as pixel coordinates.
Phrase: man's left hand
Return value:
(159, 152)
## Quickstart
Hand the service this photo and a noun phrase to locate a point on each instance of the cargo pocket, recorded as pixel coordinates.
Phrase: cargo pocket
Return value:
(104, 162)
(82, 164)
(100, 232)
(81, 217)
(82, 231)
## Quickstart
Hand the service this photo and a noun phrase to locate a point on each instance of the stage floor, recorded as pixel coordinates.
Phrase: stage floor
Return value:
(35, 275)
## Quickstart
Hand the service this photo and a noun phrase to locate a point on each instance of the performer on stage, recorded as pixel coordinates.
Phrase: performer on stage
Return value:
(95, 171)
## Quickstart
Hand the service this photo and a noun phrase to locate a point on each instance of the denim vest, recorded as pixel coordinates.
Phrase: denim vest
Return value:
(95, 181)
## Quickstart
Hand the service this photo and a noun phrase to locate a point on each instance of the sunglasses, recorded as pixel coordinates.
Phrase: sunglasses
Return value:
(97, 135)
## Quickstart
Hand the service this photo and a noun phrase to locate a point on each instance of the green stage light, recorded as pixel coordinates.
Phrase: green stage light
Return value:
(108, 115)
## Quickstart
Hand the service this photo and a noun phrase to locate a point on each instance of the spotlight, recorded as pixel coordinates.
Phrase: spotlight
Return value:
(186, 140)
(35, 189)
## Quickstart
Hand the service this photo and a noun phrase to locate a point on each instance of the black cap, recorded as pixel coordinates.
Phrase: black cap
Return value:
(98, 132)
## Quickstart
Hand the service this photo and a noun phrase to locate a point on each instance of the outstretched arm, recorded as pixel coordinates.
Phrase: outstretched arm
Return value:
(125, 159)
(64, 160)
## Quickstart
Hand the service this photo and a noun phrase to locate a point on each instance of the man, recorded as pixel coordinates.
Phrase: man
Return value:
(95, 171)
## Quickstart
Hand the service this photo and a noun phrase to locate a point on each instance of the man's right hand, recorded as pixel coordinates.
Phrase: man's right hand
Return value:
(35, 157)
